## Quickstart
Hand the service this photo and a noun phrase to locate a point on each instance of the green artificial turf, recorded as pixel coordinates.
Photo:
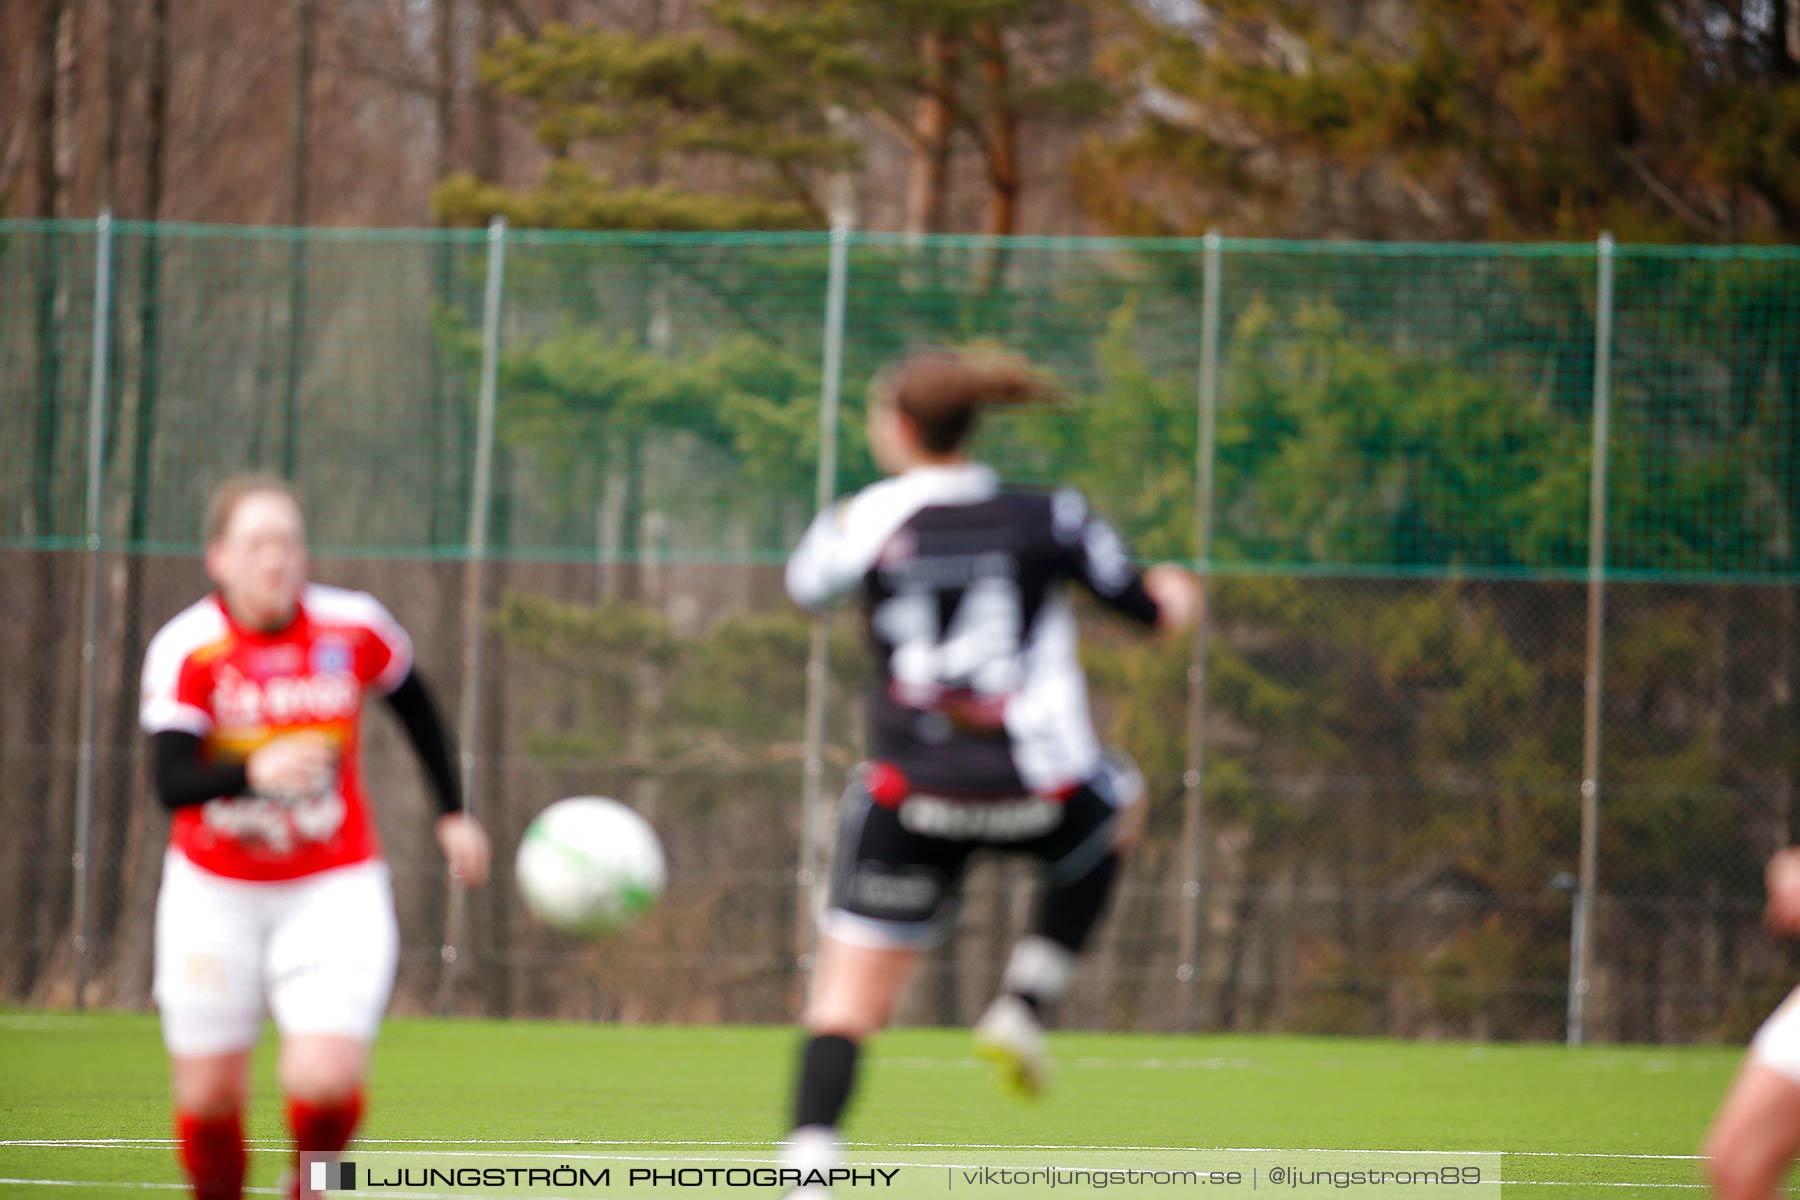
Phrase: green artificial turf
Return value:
(472, 1091)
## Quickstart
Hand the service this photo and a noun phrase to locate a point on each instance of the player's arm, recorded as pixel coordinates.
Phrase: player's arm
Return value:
(1783, 879)
(185, 778)
(822, 569)
(384, 661)
(430, 741)
(1165, 597)
(464, 843)
(295, 764)
(175, 710)
(1179, 598)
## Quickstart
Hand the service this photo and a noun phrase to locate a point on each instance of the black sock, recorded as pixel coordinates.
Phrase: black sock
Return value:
(827, 1071)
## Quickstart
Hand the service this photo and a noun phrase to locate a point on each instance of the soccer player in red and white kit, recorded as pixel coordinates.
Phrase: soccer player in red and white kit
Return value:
(274, 893)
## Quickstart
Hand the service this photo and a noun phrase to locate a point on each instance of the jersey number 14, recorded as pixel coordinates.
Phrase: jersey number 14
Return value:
(979, 652)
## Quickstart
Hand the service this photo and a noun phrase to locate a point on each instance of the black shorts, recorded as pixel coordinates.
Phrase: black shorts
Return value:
(897, 878)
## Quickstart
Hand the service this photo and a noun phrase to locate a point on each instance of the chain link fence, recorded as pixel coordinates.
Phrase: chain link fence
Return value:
(573, 464)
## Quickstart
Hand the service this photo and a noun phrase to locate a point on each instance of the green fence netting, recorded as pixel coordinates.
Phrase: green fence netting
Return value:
(1399, 512)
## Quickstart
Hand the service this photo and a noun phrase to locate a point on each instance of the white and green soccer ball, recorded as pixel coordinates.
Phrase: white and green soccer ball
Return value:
(589, 865)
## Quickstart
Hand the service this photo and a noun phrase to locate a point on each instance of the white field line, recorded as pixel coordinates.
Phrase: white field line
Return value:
(1084, 1062)
(119, 1183)
(1513, 1183)
(367, 1143)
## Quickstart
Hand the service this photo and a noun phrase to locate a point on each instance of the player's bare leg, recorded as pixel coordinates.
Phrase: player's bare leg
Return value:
(321, 1068)
(1755, 1136)
(853, 992)
(855, 986)
(1756, 1133)
(322, 1077)
(210, 1085)
(209, 1093)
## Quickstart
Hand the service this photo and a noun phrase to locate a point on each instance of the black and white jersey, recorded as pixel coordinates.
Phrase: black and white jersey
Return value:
(979, 690)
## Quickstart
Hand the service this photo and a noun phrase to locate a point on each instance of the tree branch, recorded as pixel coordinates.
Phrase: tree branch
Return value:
(804, 194)
(1667, 195)
(518, 16)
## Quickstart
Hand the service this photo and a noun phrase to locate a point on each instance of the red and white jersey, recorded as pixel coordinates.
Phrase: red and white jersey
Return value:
(237, 688)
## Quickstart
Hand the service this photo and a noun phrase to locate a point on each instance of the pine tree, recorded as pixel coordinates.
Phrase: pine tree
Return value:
(1458, 119)
(742, 123)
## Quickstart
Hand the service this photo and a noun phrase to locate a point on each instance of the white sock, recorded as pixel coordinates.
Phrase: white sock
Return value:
(1039, 968)
(812, 1148)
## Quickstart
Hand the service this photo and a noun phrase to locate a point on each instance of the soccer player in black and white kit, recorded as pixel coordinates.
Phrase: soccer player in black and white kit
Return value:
(979, 734)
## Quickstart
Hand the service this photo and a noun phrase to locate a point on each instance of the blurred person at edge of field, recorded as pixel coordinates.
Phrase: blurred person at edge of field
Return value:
(274, 893)
(1756, 1134)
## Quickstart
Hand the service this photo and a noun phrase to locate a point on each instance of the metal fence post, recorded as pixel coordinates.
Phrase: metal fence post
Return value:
(474, 574)
(1581, 940)
(1193, 823)
(90, 600)
(810, 874)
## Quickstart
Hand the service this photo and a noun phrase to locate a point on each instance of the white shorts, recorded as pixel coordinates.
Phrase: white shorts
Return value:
(1777, 1043)
(318, 953)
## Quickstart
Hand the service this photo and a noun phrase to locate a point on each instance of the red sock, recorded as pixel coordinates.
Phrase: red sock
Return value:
(322, 1128)
(212, 1153)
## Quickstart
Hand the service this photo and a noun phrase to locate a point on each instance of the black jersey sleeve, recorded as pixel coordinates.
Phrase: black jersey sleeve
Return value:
(1095, 556)
(184, 777)
(425, 732)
